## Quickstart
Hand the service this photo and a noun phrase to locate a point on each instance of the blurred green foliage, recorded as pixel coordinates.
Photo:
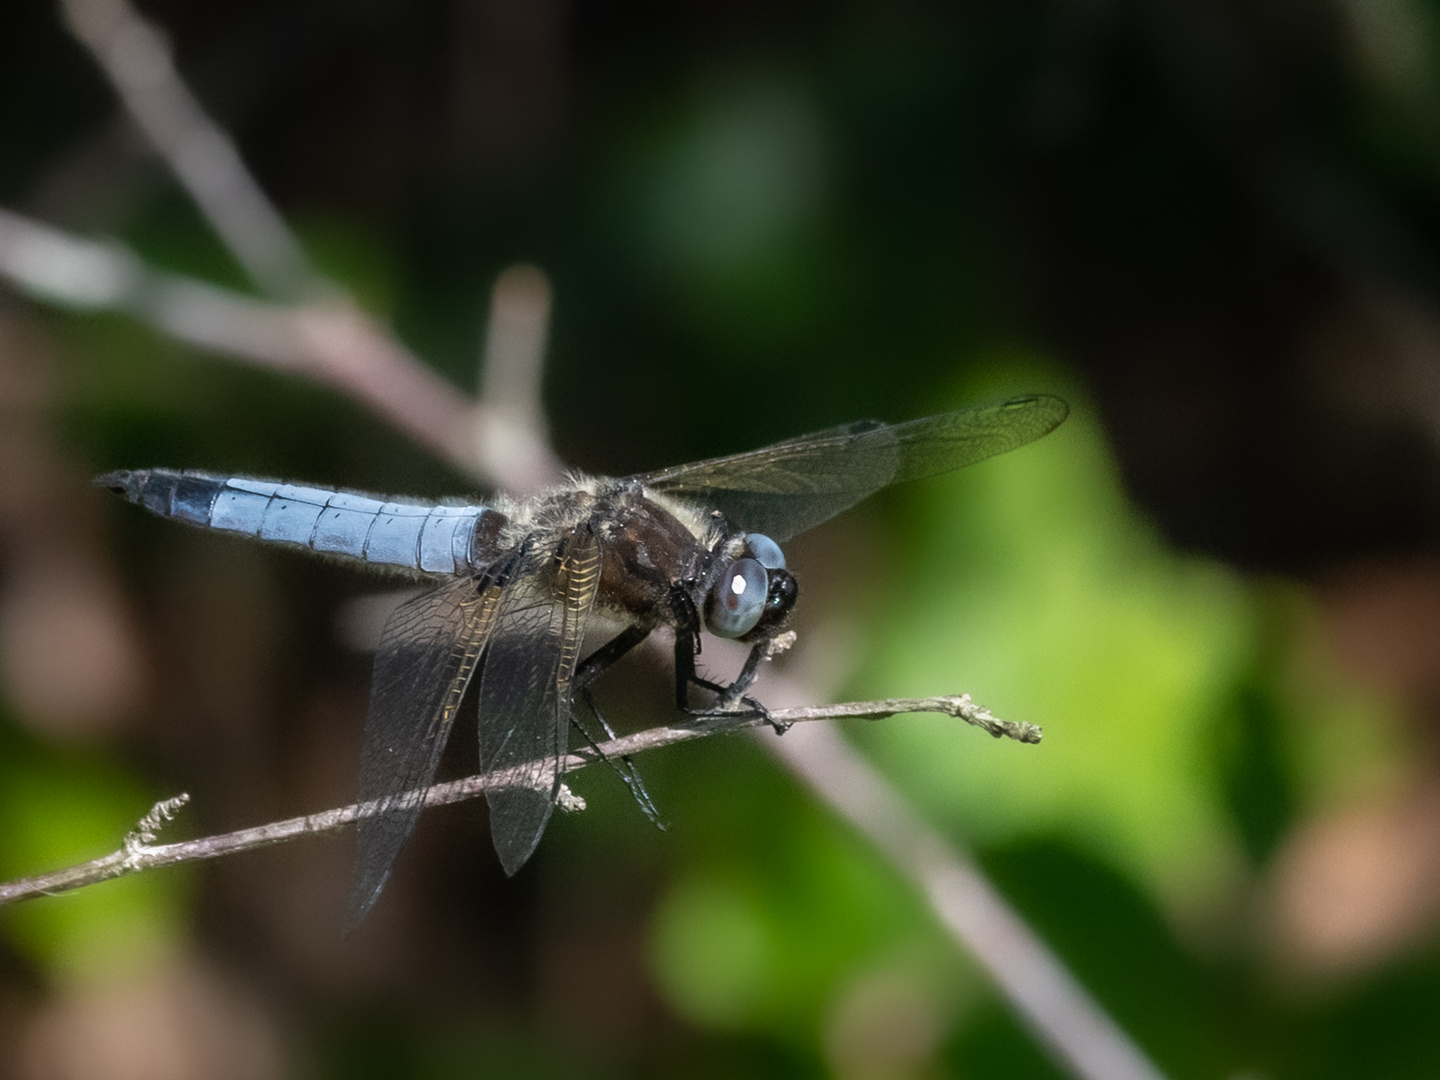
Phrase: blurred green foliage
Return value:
(63, 808)
(1032, 585)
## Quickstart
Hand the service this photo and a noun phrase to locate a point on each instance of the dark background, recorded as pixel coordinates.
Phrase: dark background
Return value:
(1210, 226)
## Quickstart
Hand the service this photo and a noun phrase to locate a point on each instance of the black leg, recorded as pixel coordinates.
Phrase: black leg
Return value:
(736, 690)
(600, 661)
(687, 647)
(685, 674)
(732, 698)
(734, 694)
(624, 767)
(586, 672)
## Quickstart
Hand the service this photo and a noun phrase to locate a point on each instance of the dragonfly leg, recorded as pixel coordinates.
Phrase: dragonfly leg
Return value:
(586, 672)
(735, 693)
(603, 658)
(685, 673)
(732, 699)
(687, 647)
(624, 766)
(736, 690)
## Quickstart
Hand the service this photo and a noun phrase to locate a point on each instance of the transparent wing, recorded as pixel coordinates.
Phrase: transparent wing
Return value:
(794, 485)
(426, 657)
(526, 690)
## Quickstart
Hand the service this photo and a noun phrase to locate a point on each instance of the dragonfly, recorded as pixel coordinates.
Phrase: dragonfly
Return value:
(514, 582)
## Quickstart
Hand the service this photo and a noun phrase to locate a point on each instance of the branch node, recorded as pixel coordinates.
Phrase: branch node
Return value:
(966, 709)
(139, 839)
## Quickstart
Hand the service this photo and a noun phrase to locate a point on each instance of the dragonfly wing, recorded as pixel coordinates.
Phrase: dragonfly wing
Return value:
(426, 657)
(526, 690)
(784, 489)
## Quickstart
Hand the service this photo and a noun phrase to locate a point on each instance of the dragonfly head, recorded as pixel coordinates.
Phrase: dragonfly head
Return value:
(753, 593)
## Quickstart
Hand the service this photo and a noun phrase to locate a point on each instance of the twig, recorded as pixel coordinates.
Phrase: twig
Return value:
(512, 439)
(332, 343)
(137, 58)
(324, 336)
(960, 707)
(139, 851)
(1048, 998)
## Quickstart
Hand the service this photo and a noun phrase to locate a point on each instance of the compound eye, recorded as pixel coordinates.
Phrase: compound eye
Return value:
(765, 551)
(737, 599)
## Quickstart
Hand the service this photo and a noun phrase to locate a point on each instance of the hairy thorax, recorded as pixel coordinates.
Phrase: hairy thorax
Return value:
(648, 543)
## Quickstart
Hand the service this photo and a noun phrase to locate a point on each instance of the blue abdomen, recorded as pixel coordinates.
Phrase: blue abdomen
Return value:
(426, 537)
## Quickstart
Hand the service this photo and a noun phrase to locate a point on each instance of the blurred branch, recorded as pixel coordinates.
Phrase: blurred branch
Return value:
(332, 343)
(139, 852)
(509, 421)
(137, 59)
(321, 332)
(1048, 998)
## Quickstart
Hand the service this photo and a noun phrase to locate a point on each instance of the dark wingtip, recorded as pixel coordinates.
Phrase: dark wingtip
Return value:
(517, 822)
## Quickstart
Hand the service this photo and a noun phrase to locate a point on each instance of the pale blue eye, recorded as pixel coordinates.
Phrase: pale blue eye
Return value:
(765, 551)
(737, 599)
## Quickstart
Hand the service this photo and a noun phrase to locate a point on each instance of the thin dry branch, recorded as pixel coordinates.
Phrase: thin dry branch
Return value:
(1049, 1000)
(139, 852)
(137, 58)
(320, 332)
(332, 343)
(512, 439)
